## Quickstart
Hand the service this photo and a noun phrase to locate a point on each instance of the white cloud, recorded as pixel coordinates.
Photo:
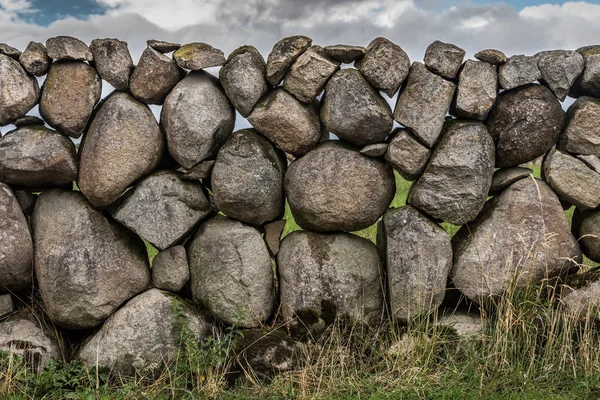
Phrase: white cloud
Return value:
(577, 10)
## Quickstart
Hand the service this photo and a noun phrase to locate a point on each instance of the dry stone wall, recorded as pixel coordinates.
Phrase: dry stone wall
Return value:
(72, 218)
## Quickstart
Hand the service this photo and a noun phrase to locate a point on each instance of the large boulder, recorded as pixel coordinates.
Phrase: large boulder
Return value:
(385, 65)
(197, 118)
(230, 272)
(283, 54)
(154, 76)
(581, 303)
(518, 71)
(162, 208)
(444, 59)
(477, 90)
(69, 95)
(247, 179)
(418, 256)
(588, 233)
(345, 53)
(406, 154)
(144, 336)
(122, 144)
(336, 188)
(521, 234)
(582, 133)
(36, 157)
(588, 83)
(68, 48)
(19, 92)
(35, 59)
(491, 56)
(308, 75)
(16, 246)
(86, 265)
(113, 61)
(457, 178)
(198, 55)
(559, 69)
(324, 277)
(525, 123)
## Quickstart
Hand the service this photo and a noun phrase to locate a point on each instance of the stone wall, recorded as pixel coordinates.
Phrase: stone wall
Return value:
(212, 200)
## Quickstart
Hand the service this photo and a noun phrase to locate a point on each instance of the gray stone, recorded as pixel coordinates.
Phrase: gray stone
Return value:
(162, 208)
(26, 200)
(374, 150)
(35, 59)
(113, 61)
(243, 78)
(86, 265)
(10, 51)
(198, 55)
(406, 154)
(354, 111)
(19, 92)
(345, 53)
(591, 161)
(525, 123)
(559, 69)
(324, 277)
(424, 102)
(458, 177)
(36, 157)
(572, 180)
(518, 71)
(69, 95)
(491, 56)
(477, 90)
(28, 120)
(16, 246)
(521, 233)
(68, 48)
(307, 76)
(247, 179)
(334, 188)
(170, 270)
(504, 177)
(444, 59)
(464, 324)
(581, 303)
(418, 257)
(588, 83)
(272, 236)
(154, 77)
(161, 46)
(385, 65)
(6, 305)
(230, 272)
(589, 235)
(197, 119)
(202, 170)
(283, 54)
(122, 144)
(143, 337)
(291, 125)
(582, 133)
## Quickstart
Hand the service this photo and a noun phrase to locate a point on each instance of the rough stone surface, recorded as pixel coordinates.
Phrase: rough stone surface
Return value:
(589, 235)
(142, 338)
(198, 55)
(491, 56)
(291, 125)
(6, 305)
(444, 59)
(518, 71)
(464, 324)
(161, 46)
(374, 150)
(423, 104)
(273, 232)
(10, 51)
(504, 177)
(418, 257)
(572, 180)
(68, 48)
(16, 246)
(327, 276)
(581, 303)
(243, 78)
(170, 270)
(37, 158)
(307, 76)
(591, 161)
(283, 54)
(457, 178)
(477, 90)
(588, 83)
(407, 155)
(559, 69)
(26, 200)
(86, 265)
(19, 92)
(35, 59)
(113, 61)
(345, 53)
(335, 188)
(162, 208)
(28, 120)
(487, 256)
(122, 144)
(582, 133)
(197, 118)
(385, 65)
(154, 77)
(354, 111)
(247, 179)
(69, 95)
(231, 274)
(525, 123)
(202, 170)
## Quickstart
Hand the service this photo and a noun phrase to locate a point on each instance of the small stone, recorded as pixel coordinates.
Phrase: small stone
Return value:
(385, 65)
(27, 121)
(6, 305)
(581, 303)
(491, 56)
(406, 154)
(202, 170)
(591, 161)
(19, 92)
(464, 324)
(35, 59)
(374, 150)
(588, 83)
(283, 54)
(161, 46)
(588, 234)
(154, 77)
(444, 59)
(68, 48)
(308, 75)
(518, 71)
(582, 133)
(26, 200)
(198, 55)
(273, 232)
(344, 53)
(559, 69)
(477, 90)
(10, 51)
(113, 61)
(423, 104)
(504, 177)
(170, 270)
